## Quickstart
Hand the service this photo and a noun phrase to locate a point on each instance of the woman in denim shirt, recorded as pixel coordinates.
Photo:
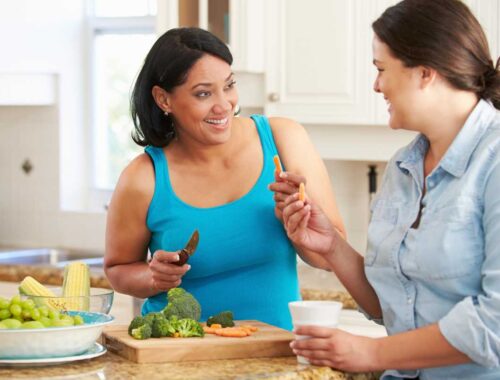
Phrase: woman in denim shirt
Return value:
(431, 273)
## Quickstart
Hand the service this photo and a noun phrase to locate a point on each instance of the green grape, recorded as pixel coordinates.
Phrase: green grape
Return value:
(32, 325)
(16, 300)
(46, 321)
(4, 303)
(3, 326)
(35, 314)
(15, 309)
(28, 304)
(11, 323)
(63, 322)
(78, 320)
(44, 311)
(19, 318)
(4, 314)
(26, 314)
(54, 314)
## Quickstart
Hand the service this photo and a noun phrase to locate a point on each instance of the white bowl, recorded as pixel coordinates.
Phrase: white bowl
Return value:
(53, 341)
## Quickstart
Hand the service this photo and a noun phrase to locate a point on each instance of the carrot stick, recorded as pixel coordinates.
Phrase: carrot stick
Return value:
(277, 163)
(302, 192)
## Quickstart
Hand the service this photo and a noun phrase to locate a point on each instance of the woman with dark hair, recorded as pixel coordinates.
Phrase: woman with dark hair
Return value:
(203, 169)
(431, 272)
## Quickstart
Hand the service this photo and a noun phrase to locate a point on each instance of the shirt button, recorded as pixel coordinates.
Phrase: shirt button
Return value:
(409, 300)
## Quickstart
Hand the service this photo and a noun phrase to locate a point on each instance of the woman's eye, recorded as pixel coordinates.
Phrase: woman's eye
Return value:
(202, 94)
(231, 84)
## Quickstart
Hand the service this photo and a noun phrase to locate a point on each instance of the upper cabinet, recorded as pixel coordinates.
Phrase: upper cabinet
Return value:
(318, 60)
(239, 23)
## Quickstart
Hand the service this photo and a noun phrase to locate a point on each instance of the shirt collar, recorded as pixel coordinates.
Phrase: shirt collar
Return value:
(460, 151)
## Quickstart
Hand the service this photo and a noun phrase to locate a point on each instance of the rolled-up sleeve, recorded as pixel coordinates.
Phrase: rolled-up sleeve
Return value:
(473, 325)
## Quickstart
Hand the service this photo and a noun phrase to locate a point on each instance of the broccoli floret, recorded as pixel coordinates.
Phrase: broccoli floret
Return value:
(151, 317)
(136, 322)
(141, 332)
(224, 318)
(162, 327)
(187, 327)
(182, 304)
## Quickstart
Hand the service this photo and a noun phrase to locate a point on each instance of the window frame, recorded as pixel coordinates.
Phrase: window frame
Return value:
(99, 196)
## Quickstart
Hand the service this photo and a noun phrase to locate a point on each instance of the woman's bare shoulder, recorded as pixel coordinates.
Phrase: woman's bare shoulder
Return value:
(138, 177)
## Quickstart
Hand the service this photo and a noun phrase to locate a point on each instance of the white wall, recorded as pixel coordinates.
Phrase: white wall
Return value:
(45, 37)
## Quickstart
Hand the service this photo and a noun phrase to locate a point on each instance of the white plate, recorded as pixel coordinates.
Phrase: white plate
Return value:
(93, 352)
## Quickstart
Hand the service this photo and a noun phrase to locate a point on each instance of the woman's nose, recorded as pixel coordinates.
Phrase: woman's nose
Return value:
(223, 104)
(376, 86)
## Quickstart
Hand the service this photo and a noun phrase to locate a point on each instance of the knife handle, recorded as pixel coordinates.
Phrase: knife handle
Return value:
(183, 258)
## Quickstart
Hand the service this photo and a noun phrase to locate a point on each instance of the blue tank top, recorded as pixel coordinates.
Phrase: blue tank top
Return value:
(244, 261)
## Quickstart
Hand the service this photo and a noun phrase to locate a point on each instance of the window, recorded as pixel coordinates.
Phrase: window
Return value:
(122, 32)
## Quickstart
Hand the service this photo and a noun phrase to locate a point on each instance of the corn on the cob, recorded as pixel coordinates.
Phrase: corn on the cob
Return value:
(31, 287)
(76, 286)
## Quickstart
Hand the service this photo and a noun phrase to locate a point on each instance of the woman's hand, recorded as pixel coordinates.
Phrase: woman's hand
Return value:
(309, 228)
(286, 184)
(164, 272)
(336, 348)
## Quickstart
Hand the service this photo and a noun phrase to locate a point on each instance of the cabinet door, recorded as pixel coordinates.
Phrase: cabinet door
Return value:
(318, 61)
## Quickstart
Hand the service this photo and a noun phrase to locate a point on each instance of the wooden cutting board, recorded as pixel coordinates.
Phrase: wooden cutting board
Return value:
(268, 341)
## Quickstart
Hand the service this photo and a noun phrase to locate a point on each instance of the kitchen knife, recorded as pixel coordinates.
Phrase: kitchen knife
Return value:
(189, 249)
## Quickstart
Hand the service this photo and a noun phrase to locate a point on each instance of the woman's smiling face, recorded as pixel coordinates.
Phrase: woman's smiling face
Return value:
(398, 84)
(203, 106)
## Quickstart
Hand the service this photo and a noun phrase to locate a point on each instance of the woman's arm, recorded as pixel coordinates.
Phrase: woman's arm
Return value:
(421, 348)
(299, 156)
(303, 163)
(127, 237)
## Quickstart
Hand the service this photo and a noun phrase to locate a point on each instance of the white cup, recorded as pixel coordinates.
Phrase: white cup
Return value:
(316, 313)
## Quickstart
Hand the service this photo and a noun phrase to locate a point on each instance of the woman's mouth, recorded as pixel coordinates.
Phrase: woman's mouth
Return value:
(219, 124)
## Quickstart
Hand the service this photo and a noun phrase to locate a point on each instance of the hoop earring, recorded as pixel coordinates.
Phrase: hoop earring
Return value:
(237, 110)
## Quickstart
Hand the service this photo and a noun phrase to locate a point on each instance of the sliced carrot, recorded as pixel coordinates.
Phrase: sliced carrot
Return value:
(208, 330)
(216, 326)
(277, 163)
(231, 332)
(249, 327)
(302, 192)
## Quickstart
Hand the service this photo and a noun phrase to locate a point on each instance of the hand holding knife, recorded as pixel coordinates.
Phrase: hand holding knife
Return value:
(189, 249)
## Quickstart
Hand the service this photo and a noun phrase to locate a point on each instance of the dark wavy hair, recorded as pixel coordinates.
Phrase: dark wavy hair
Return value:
(167, 65)
(444, 35)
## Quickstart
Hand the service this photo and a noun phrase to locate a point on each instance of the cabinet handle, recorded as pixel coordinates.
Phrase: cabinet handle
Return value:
(274, 97)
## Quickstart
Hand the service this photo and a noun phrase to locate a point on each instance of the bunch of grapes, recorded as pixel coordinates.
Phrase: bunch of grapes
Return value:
(23, 313)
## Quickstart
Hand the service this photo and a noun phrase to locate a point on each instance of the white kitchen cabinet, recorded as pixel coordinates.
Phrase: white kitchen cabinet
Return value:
(27, 89)
(239, 23)
(318, 61)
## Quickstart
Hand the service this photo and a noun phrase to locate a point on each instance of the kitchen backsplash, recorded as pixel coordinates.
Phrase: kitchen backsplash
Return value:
(29, 203)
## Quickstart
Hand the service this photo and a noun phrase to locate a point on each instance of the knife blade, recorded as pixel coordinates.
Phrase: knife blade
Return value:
(189, 249)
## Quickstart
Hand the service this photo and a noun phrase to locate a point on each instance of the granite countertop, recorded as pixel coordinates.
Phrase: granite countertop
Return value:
(111, 366)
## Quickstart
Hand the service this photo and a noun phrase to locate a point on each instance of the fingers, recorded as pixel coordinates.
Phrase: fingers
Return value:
(296, 179)
(164, 272)
(296, 213)
(314, 331)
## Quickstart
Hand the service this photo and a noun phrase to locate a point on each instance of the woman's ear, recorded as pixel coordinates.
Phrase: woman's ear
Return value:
(427, 76)
(161, 98)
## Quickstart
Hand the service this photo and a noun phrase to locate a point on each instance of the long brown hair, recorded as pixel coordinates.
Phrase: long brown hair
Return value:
(444, 35)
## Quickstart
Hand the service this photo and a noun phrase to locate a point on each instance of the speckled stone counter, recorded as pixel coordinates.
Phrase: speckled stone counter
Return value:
(47, 275)
(54, 276)
(111, 366)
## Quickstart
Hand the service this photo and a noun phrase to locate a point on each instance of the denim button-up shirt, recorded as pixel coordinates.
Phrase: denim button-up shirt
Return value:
(447, 270)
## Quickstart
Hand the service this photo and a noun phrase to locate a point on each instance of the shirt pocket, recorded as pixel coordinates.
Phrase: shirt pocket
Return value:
(383, 221)
(451, 241)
